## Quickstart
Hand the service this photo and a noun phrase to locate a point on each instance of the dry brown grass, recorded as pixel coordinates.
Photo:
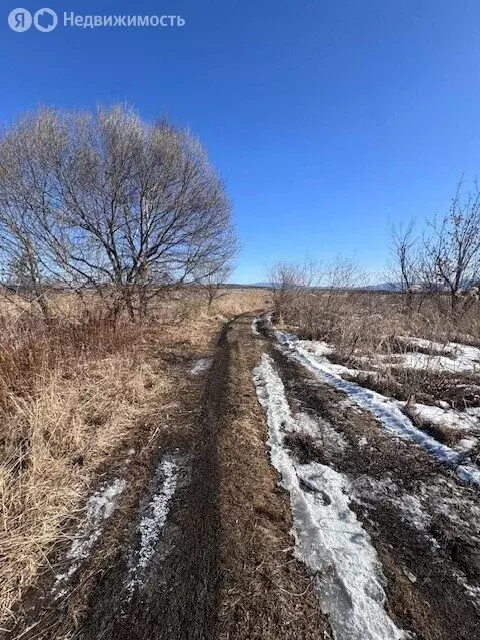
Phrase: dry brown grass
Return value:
(72, 398)
(54, 444)
(368, 331)
(356, 320)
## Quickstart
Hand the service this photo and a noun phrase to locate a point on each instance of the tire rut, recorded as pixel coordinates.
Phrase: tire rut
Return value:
(178, 597)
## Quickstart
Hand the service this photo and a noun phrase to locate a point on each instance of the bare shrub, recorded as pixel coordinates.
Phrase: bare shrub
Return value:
(407, 263)
(107, 202)
(289, 282)
(318, 299)
(453, 249)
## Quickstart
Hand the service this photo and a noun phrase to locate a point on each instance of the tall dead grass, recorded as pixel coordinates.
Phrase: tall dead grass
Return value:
(372, 322)
(69, 396)
(369, 331)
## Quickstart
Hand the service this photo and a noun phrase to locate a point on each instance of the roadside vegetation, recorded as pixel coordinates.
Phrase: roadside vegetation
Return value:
(433, 297)
(115, 242)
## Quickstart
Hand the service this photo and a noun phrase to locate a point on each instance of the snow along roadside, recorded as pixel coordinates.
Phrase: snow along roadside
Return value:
(382, 407)
(328, 537)
(99, 508)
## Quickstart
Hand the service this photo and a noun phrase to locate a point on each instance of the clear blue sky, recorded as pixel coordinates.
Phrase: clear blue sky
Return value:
(326, 118)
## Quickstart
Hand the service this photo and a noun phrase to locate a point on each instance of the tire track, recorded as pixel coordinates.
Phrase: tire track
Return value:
(178, 597)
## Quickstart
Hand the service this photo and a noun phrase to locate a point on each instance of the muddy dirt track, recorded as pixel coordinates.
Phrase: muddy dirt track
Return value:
(222, 565)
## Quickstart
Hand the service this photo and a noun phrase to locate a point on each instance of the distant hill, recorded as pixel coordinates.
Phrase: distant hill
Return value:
(385, 286)
(388, 287)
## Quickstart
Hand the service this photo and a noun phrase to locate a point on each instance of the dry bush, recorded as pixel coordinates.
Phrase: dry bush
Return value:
(28, 351)
(367, 322)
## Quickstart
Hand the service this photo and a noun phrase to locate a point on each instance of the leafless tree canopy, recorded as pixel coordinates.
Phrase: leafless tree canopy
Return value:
(445, 260)
(108, 202)
(407, 261)
(453, 250)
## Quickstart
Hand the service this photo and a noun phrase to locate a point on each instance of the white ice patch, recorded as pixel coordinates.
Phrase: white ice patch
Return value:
(329, 538)
(322, 350)
(321, 431)
(200, 365)
(99, 508)
(255, 330)
(449, 356)
(462, 420)
(153, 521)
(385, 409)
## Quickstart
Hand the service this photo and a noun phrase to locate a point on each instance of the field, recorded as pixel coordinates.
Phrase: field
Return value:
(241, 471)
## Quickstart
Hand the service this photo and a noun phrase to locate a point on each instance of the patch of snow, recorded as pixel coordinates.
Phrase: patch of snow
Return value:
(385, 409)
(322, 431)
(362, 442)
(318, 348)
(323, 349)
(99, 508)
(466, 445)
(413, 511)
(255, 330)
(435, 363)
(153, 521)
(444, 417)
(411, 506)
(329, 539)
(455, 357)
(200, 365)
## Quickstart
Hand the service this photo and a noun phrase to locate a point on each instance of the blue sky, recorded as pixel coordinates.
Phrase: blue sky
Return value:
(326, 119)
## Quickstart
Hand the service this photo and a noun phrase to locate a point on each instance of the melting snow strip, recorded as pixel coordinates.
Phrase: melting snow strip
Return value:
(385, 409)
(200, 365)
(152, 523)
(255, 330)
(328, 537)
(99, 508)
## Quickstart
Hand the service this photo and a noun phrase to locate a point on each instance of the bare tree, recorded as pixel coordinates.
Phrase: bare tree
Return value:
(453, 251)
(406, 261)
(112, 203)
(212, 274)
(213, 284)
(23, 275)
(287, 280)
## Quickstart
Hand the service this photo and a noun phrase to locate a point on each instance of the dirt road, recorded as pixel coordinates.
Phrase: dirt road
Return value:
(200, 546)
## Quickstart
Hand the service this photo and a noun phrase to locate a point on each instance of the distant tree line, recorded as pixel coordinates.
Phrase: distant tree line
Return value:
(106, 202)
